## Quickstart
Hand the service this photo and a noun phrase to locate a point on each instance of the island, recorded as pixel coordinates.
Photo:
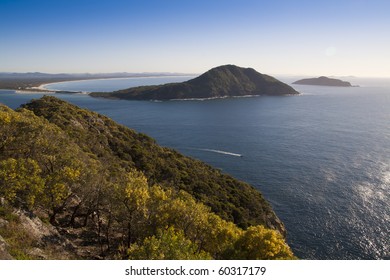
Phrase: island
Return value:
(323, 81)
(219, 82)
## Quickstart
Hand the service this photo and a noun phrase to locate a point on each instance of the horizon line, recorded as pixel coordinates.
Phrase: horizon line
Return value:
(168, 73)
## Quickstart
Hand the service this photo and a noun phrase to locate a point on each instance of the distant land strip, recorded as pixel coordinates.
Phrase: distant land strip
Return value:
(34, 81)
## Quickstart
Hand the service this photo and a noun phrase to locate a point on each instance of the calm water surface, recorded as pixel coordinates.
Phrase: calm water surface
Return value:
(322, 158)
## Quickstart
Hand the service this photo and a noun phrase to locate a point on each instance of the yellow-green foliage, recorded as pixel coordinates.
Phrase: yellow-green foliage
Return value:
(259, 243)
(20, 181)
(197, 228)
(203, 227)
(168, 244)
(38, 160)
(136, 191)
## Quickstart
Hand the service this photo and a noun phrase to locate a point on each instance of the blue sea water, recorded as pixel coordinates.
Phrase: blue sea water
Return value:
(322, 158)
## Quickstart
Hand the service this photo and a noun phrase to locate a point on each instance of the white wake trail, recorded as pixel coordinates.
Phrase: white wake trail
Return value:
(221, 152)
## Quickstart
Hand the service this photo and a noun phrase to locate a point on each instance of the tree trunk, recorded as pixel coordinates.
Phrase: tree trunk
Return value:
(52, 218)
(73, 217)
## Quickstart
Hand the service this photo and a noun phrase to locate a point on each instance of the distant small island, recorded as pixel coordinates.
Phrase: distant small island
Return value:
(219, 82)
(323, 81)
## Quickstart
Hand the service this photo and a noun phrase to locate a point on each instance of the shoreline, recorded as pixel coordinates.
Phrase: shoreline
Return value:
(27, 91)
(195, 99)
(43, 86)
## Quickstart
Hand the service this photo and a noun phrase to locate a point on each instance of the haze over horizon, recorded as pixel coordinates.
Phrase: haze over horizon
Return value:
(339, 38)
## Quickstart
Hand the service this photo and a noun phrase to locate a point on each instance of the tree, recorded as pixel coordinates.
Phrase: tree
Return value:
(132, 194)
(260, 243)
(180, 210)
(21, 181)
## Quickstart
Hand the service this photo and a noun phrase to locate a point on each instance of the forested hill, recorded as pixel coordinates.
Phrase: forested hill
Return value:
(114, 191)
(222, 81)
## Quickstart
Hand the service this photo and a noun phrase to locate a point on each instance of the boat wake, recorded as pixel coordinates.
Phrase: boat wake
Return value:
(221, 152)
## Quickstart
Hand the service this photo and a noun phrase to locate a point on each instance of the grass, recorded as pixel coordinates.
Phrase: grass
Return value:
(18, 239)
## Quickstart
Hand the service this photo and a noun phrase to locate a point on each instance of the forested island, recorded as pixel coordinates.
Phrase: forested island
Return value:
(76, 185)
(222, 81)
(323, 81)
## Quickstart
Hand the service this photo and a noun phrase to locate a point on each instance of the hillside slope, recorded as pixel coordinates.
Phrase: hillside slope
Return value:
(116, 192)
(222, 81)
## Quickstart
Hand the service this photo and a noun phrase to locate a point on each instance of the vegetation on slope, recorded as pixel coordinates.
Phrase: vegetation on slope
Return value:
(222, 81)
(119, 193)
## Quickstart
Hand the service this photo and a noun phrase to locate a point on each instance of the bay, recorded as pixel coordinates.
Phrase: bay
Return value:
(321, 158)
(102, 85)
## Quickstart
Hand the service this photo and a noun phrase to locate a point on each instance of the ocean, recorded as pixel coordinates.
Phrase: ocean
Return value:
(322, 159)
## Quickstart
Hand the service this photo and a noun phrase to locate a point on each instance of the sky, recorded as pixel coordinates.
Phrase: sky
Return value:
(300, 37)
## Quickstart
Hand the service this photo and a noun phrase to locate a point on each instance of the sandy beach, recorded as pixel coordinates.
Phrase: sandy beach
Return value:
(26, 91)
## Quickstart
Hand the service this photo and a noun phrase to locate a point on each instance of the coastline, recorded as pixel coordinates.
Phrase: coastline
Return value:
(192, 99)
(28, 91)
(210, 98)
(43, 86)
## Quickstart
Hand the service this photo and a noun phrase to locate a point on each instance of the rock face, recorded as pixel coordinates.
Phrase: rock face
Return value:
(222, 81)
(4, 255)
(323, 81)
(41, 240)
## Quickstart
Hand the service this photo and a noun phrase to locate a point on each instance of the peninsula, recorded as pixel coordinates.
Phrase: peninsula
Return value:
(35, 81)
(222, 81)
(76, 185)
(323, 81)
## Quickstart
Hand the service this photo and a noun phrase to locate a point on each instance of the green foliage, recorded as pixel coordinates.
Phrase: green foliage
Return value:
(169, 244)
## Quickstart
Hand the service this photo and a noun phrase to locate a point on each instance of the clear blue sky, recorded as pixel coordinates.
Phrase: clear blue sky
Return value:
(301, 37)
